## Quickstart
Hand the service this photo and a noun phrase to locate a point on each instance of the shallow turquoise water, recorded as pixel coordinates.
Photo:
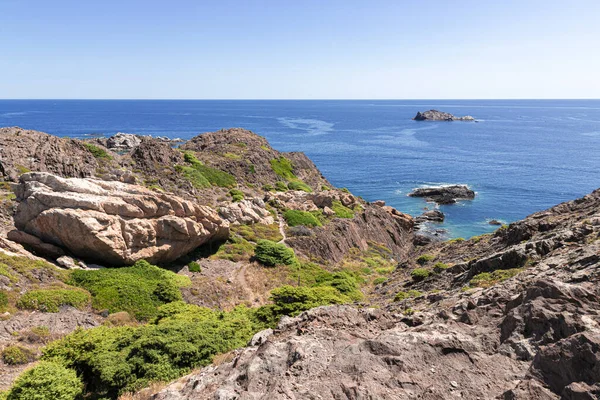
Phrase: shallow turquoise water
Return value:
(522, 156)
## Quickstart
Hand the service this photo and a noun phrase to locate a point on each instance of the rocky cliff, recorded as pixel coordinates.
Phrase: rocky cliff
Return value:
(513, 315)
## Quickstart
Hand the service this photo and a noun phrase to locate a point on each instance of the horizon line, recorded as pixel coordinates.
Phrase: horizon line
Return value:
(294, 99)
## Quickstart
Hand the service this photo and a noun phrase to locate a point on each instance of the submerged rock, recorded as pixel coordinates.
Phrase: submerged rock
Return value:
(435, 115)
(112, 222)
(444, 194)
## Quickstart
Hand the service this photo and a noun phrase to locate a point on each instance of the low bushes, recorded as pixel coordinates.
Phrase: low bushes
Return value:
(281, 186)
(236, 195)
(440, 267)
(46, 381)
(487, 279)
(271, 254)
(424, 259)
(342, 211)
(297, 217)
(283, 168)
(17, 355)
(139, 289)
(407, 295)
(255, 232)
(235, 249)
(182, 337)
(419, 274)
(3, 300)
(194, 267)
(50, 300)
(202, 176)
(299, 185)
(96, 151)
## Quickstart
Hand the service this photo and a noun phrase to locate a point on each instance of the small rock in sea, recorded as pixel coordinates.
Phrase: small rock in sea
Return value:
(435, 115)
(495, 222)
(444, 194)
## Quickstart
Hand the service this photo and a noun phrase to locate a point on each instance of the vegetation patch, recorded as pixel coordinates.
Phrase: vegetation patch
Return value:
(3, 301)
(13, 267)
(47, 380)
(283, 168)
(281, 186)
(236, 195)
(139, 289)
(97, 151)
(299, 185)
(202, 176)
(487, 279)
(424, 259)
(17, 355)
(407, 295)
(342, 211)
(235, 249)
(297, 217)
(255, 232)
(50, 300)
(456, 240)
(271, 254)
(182, 337)
(419, 274)
(232, 156)
(194, 267)
(440, 267)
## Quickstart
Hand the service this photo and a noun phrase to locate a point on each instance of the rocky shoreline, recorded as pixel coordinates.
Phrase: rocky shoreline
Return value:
(274, 284)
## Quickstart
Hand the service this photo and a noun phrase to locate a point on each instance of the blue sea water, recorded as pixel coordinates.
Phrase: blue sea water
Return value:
(522, 156)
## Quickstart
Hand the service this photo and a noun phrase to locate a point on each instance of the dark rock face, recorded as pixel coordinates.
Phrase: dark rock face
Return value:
(435, 115)
(431, 215)
(383, 225)
(24, 150)
(444, 194)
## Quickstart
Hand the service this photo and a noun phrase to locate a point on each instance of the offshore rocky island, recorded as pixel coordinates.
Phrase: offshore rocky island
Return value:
(224, 269)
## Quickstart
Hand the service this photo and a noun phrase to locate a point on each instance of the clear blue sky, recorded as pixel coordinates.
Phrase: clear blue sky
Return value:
(299, 49)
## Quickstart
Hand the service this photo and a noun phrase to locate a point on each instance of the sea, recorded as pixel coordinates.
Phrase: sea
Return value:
(520, 156)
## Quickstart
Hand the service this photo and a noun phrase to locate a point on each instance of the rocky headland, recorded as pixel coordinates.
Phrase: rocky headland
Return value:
(435, 115)
(270, 283)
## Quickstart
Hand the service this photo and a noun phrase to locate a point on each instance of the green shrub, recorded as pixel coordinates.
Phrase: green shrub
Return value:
(17, 355)
(342, 211)
(424, 259)
(456, 240)
(46, 381)
(199, 174)
(139, 289)
(487, 279)
(114, 360)
(236, 195)
(299, 185)
(290, 300)
(252, 168)
(325, 188)
(268, 188)
(440, 267)
(271, 254)
(255, 232)
(50, 300)
(96, 151)
(281, 186)
(345, 190)
(419, 274)
(407, 295)
(297, 217)
(283, 168)
(194, 267)
(379, 281)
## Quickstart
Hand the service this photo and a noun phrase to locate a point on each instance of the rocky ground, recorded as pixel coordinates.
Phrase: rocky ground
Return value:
(513, 315)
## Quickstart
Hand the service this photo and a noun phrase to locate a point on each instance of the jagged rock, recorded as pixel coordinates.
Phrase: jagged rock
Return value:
(494, 222)
(24, 150)
(432, 215)
(123, 141)
(435, 115)
(379, 203)
(112, 222)
(250, 211)
(444, 194)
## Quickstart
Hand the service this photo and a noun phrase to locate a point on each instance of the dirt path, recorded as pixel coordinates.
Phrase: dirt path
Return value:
(281, 228)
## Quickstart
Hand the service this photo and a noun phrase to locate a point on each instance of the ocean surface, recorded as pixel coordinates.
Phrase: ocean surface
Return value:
(520, 157)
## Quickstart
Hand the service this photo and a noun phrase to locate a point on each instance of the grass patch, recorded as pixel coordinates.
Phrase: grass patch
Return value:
(17, 355)
(299, 185)
(456, 240)
(47, 380)
(97, 151)
(407, 295)
(379, 281)
(139, 289)
(255, 232)
(342, 211)
(424, 259)
(271, 254)
(232, 156)
(236, 195)
(202, 176)
(283, 168)
(440, 267)
(194, 267)
(281, 186)
(297, 217)
(419, 274)
(21, 169)
(487, 279)
(234, 249)
(50, 300)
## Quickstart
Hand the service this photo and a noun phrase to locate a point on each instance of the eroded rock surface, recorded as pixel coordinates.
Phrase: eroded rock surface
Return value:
(112, 222)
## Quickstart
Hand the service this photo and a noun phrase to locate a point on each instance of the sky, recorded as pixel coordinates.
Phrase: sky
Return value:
(309, 49)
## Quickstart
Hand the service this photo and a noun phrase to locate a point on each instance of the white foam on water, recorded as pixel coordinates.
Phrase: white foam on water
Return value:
(311, 127)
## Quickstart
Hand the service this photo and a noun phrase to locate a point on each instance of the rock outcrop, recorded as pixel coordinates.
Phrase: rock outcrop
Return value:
(444, 194)
(111, 222)
(435, 115)
(123, 141)
(246, 212)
